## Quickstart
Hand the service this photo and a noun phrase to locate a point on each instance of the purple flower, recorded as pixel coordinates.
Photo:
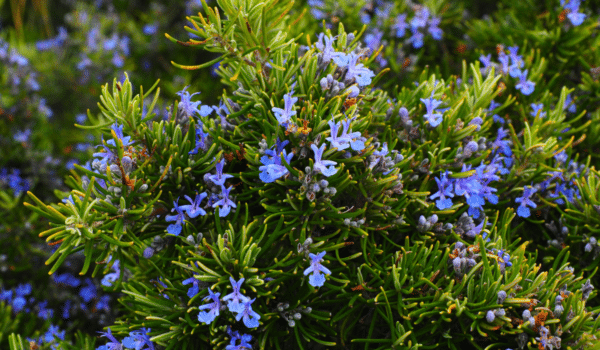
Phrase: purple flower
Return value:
(526, 86)
(194, 209)
(322, 165)
(317, 279)
(225, 203)
(445, 190)
(179, 218)
(356, 71)
(219, 178)
(431, 104)
(214, 307)
(284, 115)
(525, 201)
(250, 316)
(517, 62)
(189, 107)
(236, 297)
(88, 292)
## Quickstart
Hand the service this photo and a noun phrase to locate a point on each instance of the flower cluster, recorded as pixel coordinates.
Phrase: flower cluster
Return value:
(509, 65)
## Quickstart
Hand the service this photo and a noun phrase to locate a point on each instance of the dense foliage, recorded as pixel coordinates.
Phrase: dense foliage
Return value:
(360, 175)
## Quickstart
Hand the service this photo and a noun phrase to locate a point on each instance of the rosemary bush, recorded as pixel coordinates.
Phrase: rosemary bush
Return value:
(339, 197)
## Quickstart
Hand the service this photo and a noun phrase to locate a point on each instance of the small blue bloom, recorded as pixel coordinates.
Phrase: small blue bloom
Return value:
(179, 218)
(110, 278)
(88, 292)
(235, 297)
(235, 336)
(317, 279)
(250, 316)
(526, 86)
(272, 168)
(194, 209)
(356, 71)
(325, 45)
(214, 307)
(525, 201)
(113, 344)
(225, 203)
(431, 104)
(322, 165)
(537, 108)
(201, 139)
(284, 115)
(434, 30)
(219, 178)
(190, 108)
(445, 190)
(400, 25)
(138, 339)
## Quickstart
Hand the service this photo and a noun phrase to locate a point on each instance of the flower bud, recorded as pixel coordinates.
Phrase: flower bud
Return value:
(490, 316)
(324, 84)
(501, 297)
(148, 252)
(297, 316)
(526, 314)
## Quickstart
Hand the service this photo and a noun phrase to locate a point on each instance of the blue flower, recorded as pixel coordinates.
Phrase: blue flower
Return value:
(272, 168)
(189, 107)
(88, 292)
(356, 71)
(224, 202)
(194, 209)
(179, 218)
(504, 60)
(219, 178)
(400, 25)
(347, 139)
(517, 62)
(525, 201)
(322, 165)
(214, 307)
(110, 278)
(250, 316)
(445, 190)
(434, 30)
(526, 86)
(325, 45)
(235, 336)
(234, 305)
(113, 344)
(201, 139)
(487, 63)
(431, 104)
(317, 279)
(118, 132)
(537, 108)
(138, 339)
(416, 39)
(284, 115)
(194, 289)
